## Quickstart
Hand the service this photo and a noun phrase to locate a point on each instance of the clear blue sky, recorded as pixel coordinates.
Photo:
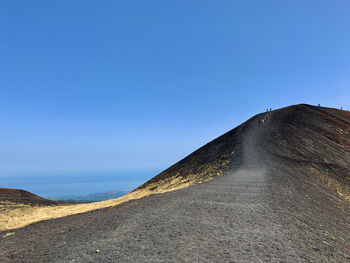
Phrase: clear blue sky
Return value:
(104, 85)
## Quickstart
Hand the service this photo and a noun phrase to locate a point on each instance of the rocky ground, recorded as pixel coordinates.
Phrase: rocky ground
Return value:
(266, 207)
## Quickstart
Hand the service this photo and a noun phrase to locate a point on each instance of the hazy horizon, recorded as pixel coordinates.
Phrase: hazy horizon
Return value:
(78, 183)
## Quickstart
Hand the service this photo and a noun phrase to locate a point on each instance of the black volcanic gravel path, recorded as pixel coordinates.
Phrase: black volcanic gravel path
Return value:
(261, 212)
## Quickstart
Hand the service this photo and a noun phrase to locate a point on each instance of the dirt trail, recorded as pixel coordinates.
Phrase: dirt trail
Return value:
(260, 212)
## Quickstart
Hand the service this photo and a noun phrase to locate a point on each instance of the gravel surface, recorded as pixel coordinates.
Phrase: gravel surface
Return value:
(265, 210)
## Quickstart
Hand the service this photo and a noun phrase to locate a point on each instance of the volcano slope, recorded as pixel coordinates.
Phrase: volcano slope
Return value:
(280, 194)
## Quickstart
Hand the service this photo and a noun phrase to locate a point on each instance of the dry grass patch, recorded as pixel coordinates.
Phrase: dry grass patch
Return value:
(8, 234)
(332, 183)
(14, 215)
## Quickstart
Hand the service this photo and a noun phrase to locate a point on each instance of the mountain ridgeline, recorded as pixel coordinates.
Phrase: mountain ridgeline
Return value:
(312, 140)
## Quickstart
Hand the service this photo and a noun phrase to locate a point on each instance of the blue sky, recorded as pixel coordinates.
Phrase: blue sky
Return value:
(108, 85)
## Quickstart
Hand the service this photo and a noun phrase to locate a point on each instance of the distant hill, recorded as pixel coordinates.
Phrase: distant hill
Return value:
(89, 198)
(7, 193)
(23, 197)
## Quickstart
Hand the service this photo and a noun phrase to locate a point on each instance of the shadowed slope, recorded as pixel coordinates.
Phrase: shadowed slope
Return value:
(216, 158)
(315, 141)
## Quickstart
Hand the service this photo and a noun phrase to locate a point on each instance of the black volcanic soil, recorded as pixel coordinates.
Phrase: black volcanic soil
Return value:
(277, 202)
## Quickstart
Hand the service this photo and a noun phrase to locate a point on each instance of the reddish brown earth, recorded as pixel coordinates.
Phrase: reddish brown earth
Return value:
(14, 193)
(24, 197)
(280, 197)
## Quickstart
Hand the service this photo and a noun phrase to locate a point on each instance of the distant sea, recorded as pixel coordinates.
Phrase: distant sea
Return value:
(78, 183)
